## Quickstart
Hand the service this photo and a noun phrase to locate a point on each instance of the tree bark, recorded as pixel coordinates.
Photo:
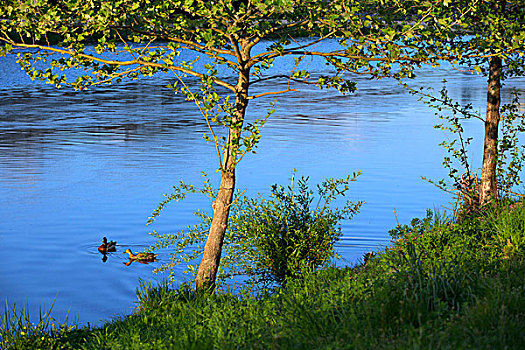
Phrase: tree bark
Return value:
(211, 257)
(207, 273)
(488, 188)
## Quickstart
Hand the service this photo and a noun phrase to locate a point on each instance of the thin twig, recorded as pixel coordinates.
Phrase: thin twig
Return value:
(204, 114)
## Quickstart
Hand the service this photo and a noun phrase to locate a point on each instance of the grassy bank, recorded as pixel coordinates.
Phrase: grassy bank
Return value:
(441, 285)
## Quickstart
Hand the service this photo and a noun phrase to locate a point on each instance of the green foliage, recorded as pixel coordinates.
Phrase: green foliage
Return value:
(150, 295)
(286, 235)
(507, 227)
(481, 241)
(511, 152)
(267, 240)
(437, 260)
(467, 33)
(428, 260)
(151, 37)
(417, 226)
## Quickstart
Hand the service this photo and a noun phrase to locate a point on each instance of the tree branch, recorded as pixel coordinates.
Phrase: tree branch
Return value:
(271, 93)
(191, 44)
(204, 114)
(123, 63)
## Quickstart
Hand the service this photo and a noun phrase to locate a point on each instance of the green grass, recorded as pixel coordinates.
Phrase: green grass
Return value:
(441, 285)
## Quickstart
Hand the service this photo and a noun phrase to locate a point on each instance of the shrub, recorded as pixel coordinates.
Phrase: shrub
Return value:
(287, 234)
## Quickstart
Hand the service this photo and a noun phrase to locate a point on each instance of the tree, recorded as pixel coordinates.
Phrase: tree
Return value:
(102, 42)
(489, 38)
(502, 34)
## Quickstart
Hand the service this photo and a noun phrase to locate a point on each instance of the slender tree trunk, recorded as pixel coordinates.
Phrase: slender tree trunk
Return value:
(211, 257)
(488, 189)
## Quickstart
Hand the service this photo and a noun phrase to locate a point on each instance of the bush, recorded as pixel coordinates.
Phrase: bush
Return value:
(286, 234)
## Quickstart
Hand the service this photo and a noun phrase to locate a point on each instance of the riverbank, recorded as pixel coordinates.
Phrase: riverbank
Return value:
(440, 285)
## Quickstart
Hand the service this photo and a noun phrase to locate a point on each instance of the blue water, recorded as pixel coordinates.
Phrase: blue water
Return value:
(76, 166)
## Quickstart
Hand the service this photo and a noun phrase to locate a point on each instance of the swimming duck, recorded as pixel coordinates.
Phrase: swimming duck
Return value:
(141, 256)
(107, 247)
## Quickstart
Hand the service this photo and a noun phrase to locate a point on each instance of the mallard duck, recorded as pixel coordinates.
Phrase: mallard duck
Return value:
(106, 246)
(141, 256)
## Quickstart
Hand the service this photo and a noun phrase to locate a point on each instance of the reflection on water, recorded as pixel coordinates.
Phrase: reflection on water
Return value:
(75, 167)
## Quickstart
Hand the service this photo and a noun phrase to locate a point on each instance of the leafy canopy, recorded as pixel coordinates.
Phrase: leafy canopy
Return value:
(110, 40)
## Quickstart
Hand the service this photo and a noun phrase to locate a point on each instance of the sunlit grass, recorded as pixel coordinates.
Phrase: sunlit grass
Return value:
(20, 330)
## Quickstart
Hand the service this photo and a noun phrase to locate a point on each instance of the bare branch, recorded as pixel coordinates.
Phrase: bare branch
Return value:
(271, 93)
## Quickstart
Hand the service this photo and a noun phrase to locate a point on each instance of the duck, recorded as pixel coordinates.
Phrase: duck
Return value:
(141, 256)
(107, 247)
